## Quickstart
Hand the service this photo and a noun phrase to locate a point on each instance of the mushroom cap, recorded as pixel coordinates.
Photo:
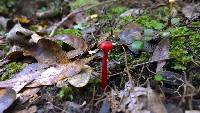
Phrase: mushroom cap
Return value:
(106, 46)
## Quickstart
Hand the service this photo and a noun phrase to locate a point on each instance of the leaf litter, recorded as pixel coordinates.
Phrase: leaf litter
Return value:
(147, 37)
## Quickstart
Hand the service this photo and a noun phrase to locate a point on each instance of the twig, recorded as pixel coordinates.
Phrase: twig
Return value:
(148, 62)
(126, 64)
(82, 9)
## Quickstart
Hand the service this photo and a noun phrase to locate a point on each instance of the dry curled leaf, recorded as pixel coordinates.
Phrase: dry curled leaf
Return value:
(161, 53)
(21, 79)
(7, 97)
(54, 74)
(48, 52)
(82, 78)
(75, 42)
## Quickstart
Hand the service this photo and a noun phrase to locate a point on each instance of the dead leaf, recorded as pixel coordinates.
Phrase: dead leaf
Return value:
(32, 109)
(54, 74)
(131, 32)
(136, 100)
(21, 79)
(172, 108)
(48, 52)
(192, 111)
(155, 103)
(76, 42)
(132, 12)
(14, 53)
(7, 97)
(77, 18)
(161, 53)
(23, 20)
(191, 11)
(19, 36)
(6, 23)
(82, 78)
(39, 77)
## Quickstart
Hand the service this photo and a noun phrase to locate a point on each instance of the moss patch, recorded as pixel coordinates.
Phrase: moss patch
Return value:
(74, 32)
(11, 69)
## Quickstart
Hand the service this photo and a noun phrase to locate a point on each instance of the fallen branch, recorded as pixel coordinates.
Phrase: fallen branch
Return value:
(56, 25)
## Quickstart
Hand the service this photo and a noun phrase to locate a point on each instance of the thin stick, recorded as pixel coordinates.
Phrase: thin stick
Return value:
(82, 9)
(126, 64)
(148, 62)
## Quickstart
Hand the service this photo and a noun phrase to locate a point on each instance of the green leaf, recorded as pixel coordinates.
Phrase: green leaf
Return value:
(149, 32)
(175, 21)
(137, 45)
(165, 34)
(158, 77)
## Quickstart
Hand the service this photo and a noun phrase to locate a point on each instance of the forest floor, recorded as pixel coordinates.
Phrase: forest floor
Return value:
(51, 56)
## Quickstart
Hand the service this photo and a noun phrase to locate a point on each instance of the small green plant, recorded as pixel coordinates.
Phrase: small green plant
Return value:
(184, 46)
(74, 32)
(33, 27)
(150, 23)
(66, 93)
(11, 69)
(7, 6)
(158, 77)
(79, 3)
(125, 20)
(112, 12)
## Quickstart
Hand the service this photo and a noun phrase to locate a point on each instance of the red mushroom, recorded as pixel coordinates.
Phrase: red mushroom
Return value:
(106, 46)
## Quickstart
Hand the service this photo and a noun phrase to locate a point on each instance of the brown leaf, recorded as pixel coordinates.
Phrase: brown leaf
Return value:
(54, 74)
(19, 36)
(75, 42)
(48, 52)
(14, 53)
(27, 75)
(39, 77)
(82, 78)
(161, 53)
(191, 11)
(7, 97)
(44, 50)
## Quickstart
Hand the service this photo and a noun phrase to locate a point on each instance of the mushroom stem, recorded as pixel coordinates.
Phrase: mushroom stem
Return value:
(106, 46)
(104, 80)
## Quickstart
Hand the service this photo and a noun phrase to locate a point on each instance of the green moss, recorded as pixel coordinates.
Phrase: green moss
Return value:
(74, 32)
(125, 20)
(112, 12)
(7, 6)
(149, 23)
(117, 10)
(78, 3)
(11, 69)
(33, 27)
(184, 47)
(66, 93)
(161, 13)
(196, 23)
